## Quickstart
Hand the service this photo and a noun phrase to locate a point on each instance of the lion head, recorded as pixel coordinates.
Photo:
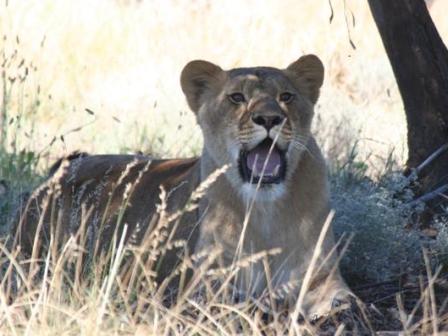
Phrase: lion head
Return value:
(257, 119)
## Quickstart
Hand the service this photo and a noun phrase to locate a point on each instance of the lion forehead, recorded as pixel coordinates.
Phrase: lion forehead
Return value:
(256, 72)
(258, 80)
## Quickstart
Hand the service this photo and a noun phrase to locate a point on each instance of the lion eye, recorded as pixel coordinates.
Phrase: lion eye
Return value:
(237, 98)
(286, 97)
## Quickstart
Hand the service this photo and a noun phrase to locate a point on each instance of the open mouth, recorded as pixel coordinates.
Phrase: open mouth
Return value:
(263, 163)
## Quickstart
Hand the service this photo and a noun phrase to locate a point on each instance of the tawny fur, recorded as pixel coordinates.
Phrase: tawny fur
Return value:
(288, 215)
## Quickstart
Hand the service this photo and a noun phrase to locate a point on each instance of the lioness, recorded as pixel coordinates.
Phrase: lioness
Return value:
(273, 194)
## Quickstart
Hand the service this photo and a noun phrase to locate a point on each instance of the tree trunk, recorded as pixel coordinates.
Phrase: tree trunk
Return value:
(419, 61)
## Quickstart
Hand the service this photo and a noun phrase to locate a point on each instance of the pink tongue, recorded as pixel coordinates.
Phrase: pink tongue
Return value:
(256, 160)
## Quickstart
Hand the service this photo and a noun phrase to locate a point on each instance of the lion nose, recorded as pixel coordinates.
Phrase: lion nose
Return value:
(268, 121)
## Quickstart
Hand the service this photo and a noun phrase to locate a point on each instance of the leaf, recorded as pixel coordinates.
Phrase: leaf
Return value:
(89, 111)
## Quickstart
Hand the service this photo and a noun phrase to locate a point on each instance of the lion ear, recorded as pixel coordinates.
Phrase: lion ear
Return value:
(197, 78)
(308, 74)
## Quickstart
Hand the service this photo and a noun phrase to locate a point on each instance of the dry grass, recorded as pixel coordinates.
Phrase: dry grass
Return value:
(121, 60)
(70, 289)
(115, 292)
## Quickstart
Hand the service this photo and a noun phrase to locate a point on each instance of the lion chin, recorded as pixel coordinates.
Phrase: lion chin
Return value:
(265, 114)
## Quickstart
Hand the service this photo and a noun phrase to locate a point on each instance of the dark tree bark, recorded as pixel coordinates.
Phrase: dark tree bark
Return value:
(419, 61)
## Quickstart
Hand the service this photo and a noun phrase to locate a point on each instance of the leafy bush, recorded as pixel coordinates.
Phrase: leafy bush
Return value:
(382, 247)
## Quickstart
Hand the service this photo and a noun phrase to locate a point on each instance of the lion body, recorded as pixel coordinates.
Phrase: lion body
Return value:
(285, 211)
(93, 189)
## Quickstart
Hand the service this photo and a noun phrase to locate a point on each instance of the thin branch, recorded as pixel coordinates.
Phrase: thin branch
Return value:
(332, 12)
(431, 158)
(430, 196)
(348, 26)
(416, 171)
